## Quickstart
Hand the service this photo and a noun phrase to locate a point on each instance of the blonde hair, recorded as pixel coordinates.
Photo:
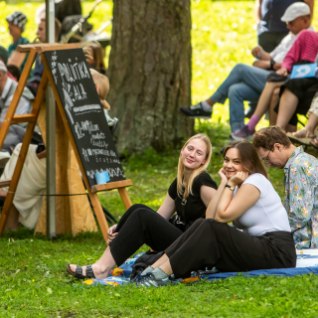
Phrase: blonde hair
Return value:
(185, 189)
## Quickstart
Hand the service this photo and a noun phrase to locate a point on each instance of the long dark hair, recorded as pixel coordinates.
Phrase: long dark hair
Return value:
(249, 157)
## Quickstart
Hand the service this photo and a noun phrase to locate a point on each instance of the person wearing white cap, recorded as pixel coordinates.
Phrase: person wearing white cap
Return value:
(294, 11)
(270, 28)
(8, 87)
(304, 50)
(16, 24)
(246, 83)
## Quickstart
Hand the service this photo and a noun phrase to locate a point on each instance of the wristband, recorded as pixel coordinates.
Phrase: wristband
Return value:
(229, 187)
(272, 63)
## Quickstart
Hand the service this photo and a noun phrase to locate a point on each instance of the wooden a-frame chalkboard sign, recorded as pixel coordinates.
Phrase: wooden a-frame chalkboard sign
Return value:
(67, 73)
(84, 114)
(84, 119)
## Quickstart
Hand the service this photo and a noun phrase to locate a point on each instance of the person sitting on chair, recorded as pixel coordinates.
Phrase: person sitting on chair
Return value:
(8, 87)
(245, 82)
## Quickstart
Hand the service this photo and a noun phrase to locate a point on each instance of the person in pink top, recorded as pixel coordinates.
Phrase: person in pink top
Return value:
(304, 50)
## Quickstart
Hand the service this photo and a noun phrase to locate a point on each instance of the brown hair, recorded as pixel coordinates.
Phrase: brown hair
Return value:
(97, 54)
(185, 189)
(103, 86)
(57, 27)
(267, 137)
(249, 157)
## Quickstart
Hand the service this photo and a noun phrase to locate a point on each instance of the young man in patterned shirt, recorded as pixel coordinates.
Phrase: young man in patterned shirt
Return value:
(301, 182)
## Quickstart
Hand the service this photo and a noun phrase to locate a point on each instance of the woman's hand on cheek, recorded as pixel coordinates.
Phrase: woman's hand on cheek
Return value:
(239, 177)
(223, 175)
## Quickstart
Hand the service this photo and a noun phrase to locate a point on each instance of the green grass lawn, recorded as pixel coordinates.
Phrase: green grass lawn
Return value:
(33, 282)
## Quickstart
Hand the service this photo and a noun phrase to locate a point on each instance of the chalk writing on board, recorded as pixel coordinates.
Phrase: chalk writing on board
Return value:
(84, 113)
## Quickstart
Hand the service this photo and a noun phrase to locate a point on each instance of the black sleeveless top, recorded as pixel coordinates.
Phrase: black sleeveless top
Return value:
(193, 208)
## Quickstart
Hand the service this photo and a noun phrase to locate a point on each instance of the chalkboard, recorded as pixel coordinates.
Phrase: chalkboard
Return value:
(84, 113)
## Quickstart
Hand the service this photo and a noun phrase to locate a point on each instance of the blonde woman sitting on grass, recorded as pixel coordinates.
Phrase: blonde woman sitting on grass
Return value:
(188, 196)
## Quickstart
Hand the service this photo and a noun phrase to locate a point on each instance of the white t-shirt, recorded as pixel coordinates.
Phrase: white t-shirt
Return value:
(267, 214)
(279, 53)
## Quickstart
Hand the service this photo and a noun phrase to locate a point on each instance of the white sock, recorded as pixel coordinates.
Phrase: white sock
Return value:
(147, 270)
(205, 106)
(159, 273)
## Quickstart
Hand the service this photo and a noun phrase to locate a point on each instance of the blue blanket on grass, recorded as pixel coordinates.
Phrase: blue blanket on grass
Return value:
(307, 263)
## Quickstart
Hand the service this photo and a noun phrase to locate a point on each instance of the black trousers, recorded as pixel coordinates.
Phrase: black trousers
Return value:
(141, 225)
(209, 243)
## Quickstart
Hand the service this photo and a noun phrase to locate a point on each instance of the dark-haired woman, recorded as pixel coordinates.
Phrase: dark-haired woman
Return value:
(259, 238)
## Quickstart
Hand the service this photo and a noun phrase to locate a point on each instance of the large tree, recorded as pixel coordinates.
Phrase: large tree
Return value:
(150, 72)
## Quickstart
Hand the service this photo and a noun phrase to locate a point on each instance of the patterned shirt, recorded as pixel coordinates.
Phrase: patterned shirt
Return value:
(301, 191)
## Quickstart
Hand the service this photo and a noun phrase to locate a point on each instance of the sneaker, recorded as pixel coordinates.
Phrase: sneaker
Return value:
(149, 280)
(243, 133)
(196, 111)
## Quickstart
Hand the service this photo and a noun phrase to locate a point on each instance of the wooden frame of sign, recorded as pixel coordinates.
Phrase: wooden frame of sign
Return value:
(67, 73)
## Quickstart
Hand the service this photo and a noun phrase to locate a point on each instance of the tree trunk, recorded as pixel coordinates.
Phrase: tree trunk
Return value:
(150, 73)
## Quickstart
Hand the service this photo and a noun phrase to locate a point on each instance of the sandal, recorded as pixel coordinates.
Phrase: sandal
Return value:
(78, 273)
(303, 133)
(301, 140)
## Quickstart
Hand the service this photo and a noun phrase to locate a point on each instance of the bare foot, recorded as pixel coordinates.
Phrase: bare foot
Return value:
(299, 140)
(303, 133)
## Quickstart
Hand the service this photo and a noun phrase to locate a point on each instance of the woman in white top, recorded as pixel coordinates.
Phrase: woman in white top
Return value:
(258, 238)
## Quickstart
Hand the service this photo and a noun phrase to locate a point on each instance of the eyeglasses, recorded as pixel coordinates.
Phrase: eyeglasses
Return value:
(266, 158)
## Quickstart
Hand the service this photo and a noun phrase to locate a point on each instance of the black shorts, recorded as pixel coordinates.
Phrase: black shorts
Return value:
(304, 89)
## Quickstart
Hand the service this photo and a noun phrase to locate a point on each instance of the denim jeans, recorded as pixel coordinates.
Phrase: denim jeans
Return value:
(244, 83)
